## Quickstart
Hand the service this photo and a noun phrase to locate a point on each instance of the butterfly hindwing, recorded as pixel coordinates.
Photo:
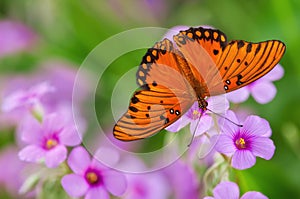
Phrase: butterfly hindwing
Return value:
(164, 94)
(149, 112)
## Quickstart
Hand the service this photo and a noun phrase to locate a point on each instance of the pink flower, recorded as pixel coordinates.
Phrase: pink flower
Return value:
(183, 180)
(91, 178)
(230, 190)
(26, 98)
(244, 143)
(262, 90)
(11, 168)
(48, 141)
(147, 186)
(218, 104)
(14, 37)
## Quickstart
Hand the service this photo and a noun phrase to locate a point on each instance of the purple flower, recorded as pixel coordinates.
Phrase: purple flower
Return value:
(217, 104)
(26, 98)
(262, 90)
(11, 168)
(147, 186)
(230, 190)
(244, 143)
(48, 141)
(183, 180)
(14, 37)
(91, 178)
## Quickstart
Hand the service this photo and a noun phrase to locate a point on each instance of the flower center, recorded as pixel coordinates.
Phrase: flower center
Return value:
(51, 143)
(196, 114)
(240, 143)
(93, 177)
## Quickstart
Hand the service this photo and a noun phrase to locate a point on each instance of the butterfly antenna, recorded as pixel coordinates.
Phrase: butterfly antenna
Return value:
(194, 133)
(239, 125)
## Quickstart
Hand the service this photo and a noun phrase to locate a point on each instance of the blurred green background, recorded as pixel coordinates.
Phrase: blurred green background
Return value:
(70, 29)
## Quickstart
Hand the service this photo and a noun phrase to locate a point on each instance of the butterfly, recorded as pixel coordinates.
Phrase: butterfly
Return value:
(199, 64)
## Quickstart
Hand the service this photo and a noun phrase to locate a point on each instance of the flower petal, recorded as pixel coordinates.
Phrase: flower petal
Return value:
(218, 104)
(13, 101)
(179, 124)
(263, 147)
(74, 185)
(243, 159)
(115, 182)
(238, 96)
(224, 145)
(253, 195)
(228, 190)
(227, 127)
(263, 92)
(256, 126)
(15, 37)
(79, 160)
(52, 123)
(70, 136)
(31, 131)
(55, 156)
(205, 123)
(109, 156)
(275, 74)
(208, 197)
(32, 153)
(97, 192)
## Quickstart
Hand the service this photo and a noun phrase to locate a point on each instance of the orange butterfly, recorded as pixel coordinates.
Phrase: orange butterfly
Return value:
(203, 64)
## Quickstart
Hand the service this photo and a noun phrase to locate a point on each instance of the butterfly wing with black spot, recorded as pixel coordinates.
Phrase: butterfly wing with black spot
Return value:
(238, 62)
(163, 97)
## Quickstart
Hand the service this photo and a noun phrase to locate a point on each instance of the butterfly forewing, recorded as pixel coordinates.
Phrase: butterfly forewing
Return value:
(241, 62)
(238, 62)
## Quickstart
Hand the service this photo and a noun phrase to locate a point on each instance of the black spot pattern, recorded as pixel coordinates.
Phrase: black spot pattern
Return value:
(228, 82)
(240, 44)
(172, 111)
(167, 120)
(207, 34)
(258, 48)
(249, 48)
(133, 109)
(134, 100)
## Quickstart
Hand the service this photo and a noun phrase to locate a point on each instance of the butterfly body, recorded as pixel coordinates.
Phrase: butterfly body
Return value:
(203, 64)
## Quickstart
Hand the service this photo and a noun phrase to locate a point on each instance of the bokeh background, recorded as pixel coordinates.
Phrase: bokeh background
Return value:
(55, 33)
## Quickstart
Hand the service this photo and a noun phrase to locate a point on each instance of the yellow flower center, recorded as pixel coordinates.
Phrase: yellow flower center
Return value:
(196, 114)
(51, 143)
(92, 177)
(240, 143)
